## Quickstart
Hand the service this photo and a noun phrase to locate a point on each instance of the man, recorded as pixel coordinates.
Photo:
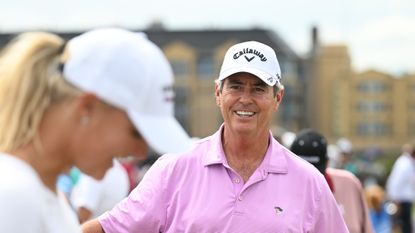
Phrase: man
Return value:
(347, 189)
(400, 187)
(238, 180)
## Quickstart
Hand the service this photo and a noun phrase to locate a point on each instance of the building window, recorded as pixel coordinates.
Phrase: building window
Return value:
(287, 67)
(288, 112)
(205, 67)
(180, 67)
(181, 109)
(373, 129)
(372, 87)
(371, 106)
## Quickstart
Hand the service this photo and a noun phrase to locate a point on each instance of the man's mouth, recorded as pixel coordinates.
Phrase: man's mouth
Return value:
(245, 113)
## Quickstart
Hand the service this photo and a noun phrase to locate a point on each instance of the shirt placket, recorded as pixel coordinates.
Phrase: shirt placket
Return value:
(241, 189)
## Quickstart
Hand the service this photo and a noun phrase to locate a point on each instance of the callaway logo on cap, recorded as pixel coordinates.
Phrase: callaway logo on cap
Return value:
(252, 57)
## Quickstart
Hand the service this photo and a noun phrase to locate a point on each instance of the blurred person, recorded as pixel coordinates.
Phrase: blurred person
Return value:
(240, 179)
(400, 187)
(65, 184)
(104, 93)
(345, 149)
(379, 215)
(334, 158)
(287, 139)
(347, 189)
(91, 197)
(131, 164)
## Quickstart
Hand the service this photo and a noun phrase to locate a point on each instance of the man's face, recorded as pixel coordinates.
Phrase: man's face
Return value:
(247, 104)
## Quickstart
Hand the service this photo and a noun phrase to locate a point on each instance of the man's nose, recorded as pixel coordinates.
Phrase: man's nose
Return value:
(246, 95)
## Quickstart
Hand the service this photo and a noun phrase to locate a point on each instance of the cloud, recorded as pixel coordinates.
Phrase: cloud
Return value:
(387, 44)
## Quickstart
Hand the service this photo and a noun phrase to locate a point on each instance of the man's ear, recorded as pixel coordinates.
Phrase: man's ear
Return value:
(279, 95)
(278, 98)
(217, 95)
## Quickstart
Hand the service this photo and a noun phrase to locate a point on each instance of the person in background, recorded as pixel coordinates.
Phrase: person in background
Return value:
(345, 150)
(378, 209)
(240, 179)
(65, 183)
(400, 187)
(105, 93)
(347, 189)
(91, 197)
(130, 164)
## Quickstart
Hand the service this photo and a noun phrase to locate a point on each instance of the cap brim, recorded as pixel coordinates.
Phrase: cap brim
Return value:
(267, 78)
(164, 134)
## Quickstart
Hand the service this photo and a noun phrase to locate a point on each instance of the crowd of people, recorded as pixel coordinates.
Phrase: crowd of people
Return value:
(77, 119)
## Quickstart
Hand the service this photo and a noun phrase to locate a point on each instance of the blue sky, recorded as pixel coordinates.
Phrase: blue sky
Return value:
(380, 34)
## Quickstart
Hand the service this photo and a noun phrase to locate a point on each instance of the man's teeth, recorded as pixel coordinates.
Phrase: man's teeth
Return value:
(244, 113)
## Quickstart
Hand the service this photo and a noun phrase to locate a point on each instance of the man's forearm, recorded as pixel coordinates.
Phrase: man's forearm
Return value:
(92, 226)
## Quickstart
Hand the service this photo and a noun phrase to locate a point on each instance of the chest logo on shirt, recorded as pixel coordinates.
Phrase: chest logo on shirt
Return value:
(278, 209)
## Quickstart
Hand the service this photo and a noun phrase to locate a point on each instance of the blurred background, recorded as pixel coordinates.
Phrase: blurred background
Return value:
(348, 66)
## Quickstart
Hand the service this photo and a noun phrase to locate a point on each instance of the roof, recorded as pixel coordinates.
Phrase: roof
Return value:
(203, 40)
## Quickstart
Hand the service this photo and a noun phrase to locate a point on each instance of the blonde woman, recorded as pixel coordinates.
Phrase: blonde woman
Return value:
(106, 93)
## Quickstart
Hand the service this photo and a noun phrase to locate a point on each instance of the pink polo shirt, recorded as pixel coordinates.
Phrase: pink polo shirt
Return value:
(198, 192)
(348, 192)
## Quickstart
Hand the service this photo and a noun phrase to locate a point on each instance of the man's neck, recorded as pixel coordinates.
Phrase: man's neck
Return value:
(245, 154)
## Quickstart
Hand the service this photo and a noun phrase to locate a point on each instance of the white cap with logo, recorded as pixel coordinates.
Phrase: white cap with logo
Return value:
(127, 70)
(252, 57)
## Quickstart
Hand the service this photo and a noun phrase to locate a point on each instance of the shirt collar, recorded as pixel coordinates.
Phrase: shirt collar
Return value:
(215, 153)
(274, 162)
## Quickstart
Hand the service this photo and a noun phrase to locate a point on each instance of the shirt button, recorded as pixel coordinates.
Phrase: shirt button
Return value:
(240, 198)
(237, 180)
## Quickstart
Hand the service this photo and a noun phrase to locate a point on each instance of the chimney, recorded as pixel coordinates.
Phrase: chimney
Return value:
(314, 39)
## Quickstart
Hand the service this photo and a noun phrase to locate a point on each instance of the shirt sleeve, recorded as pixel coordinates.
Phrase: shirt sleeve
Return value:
(328, 217)
(144, 210)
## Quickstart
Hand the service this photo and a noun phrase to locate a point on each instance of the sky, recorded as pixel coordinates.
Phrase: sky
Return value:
(380, 34)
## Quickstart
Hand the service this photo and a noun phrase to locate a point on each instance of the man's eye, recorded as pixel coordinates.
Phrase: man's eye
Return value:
(234, 87)
(259, 89)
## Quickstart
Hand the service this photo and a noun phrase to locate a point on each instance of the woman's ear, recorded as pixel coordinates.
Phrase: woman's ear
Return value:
(85, 106)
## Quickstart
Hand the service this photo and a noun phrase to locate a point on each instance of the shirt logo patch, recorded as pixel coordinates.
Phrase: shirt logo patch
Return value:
(278, 210)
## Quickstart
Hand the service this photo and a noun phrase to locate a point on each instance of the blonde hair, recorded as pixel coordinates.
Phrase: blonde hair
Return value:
(30, 81)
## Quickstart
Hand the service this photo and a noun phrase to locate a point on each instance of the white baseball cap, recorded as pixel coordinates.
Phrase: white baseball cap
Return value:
(252, 57)
(128, 71)
(344, 145)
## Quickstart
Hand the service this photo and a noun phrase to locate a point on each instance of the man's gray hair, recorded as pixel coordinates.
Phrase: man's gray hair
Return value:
(276, 88)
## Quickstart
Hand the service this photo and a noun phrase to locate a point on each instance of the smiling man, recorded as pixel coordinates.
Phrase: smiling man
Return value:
(240, 179)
